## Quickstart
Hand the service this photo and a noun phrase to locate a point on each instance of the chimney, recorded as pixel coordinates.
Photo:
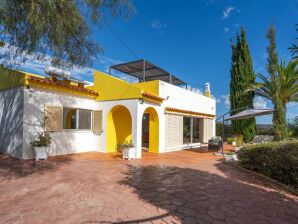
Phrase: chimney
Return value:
(207, 90)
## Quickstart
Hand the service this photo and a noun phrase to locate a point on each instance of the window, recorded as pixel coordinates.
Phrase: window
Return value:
(76, 119)
(186, 130)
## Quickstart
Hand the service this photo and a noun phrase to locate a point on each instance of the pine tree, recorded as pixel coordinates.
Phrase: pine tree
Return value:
(60, 29)
(242, 76)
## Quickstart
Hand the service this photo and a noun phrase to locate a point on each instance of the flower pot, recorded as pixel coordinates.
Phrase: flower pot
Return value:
(41, 152)
(231, 158)
(129, 153)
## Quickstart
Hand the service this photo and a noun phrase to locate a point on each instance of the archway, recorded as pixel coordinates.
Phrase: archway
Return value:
(150, 130)
(118, 127)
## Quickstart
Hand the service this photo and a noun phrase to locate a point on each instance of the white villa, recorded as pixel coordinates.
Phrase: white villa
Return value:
(158, 113)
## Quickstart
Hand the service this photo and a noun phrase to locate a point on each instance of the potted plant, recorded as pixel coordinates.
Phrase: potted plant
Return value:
(128, 150)
(41, 144)
(230, 157)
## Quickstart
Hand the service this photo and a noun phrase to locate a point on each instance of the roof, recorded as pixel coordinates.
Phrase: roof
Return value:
(61, 84)
(147, 71)
(249, 113)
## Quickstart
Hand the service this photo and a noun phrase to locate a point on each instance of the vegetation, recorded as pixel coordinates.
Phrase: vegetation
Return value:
(277, 160)
(60, 29)
(126, 144)
(293, 128)
(294, 47)
(242, 75)
(230, 140)
(281, 87)
(43, 139)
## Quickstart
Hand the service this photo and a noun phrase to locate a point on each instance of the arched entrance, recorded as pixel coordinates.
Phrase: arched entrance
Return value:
(150, 130)
(118, 127)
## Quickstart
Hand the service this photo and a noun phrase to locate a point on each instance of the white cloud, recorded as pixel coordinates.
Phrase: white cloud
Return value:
(292, 105)
(226, 13)
(260, 103)
(226, 100)
(158, 25)
(226, 29)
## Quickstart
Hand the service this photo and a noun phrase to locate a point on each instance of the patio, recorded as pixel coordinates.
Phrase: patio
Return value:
(183, 186)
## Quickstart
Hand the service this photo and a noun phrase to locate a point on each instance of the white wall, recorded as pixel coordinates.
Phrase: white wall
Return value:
(66, 141)
(180, 98)
(11, 121)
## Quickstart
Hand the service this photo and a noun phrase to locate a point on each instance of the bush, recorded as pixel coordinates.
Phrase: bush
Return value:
(277, 160)
(43, 139)
(230, 140)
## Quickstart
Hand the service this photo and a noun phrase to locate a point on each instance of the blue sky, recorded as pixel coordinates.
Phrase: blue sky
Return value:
(191, 39)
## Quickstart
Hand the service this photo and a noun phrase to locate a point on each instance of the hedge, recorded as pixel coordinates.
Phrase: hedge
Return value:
(278, 161)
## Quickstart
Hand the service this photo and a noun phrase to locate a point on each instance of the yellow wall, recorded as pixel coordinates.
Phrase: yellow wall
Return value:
(111, 88)
(118, 127)
(150, 86)
(10, 78)
(153, 130)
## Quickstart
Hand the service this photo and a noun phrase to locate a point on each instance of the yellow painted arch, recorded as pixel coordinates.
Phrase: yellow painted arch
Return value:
(118, 127)
(153, 129)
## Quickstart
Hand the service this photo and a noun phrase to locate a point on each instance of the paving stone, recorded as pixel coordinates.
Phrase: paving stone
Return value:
(177, 187)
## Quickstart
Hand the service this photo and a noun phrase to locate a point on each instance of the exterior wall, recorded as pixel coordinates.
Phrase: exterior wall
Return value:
(177, 97)
(11, 121)
(66, 141)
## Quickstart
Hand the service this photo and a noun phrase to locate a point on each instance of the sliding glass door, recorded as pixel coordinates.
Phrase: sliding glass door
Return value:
(191, 130)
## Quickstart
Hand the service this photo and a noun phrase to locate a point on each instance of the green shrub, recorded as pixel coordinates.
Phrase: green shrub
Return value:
(43, 139)
(230, 140)
(277, 160)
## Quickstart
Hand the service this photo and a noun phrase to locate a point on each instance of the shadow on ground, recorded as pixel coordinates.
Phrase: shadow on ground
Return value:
(13, 168)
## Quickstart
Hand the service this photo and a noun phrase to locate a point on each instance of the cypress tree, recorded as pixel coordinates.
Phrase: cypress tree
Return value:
(242, 76)
(279, 115)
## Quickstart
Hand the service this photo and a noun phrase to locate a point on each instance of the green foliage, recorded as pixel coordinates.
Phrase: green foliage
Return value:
(126, 144)
(294, 47)
(43, 139)
(60, 29)
(293, 127)
(281, 87)
(242, 75)
(278, 161)
(230, 140)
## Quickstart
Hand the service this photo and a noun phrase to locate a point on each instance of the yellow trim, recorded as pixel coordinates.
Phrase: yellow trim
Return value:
(188, 113)
(57, 88)
(153, 130)
(119, 127)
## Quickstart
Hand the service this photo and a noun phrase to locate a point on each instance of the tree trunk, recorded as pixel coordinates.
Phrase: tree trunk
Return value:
(279, 121)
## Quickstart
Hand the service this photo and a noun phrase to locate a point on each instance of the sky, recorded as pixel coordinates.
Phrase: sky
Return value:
(191, 39)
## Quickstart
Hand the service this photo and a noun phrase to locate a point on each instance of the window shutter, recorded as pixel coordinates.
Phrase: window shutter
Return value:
(53, 118)
(97, 121)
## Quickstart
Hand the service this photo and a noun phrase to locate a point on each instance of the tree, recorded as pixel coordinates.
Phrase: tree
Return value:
(61, 29)
(294, 47)
(242, 75)
(280, 87)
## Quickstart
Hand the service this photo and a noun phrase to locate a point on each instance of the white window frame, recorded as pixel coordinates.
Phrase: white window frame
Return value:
(77, 119)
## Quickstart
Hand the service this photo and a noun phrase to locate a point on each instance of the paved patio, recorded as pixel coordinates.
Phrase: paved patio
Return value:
(179, 187)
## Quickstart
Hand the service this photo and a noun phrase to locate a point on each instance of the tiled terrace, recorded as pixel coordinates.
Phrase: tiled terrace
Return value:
(178, 187)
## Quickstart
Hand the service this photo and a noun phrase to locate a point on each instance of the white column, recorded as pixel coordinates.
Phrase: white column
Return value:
(137, 131)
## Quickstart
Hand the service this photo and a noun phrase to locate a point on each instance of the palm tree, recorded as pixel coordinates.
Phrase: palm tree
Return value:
(280, 89)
